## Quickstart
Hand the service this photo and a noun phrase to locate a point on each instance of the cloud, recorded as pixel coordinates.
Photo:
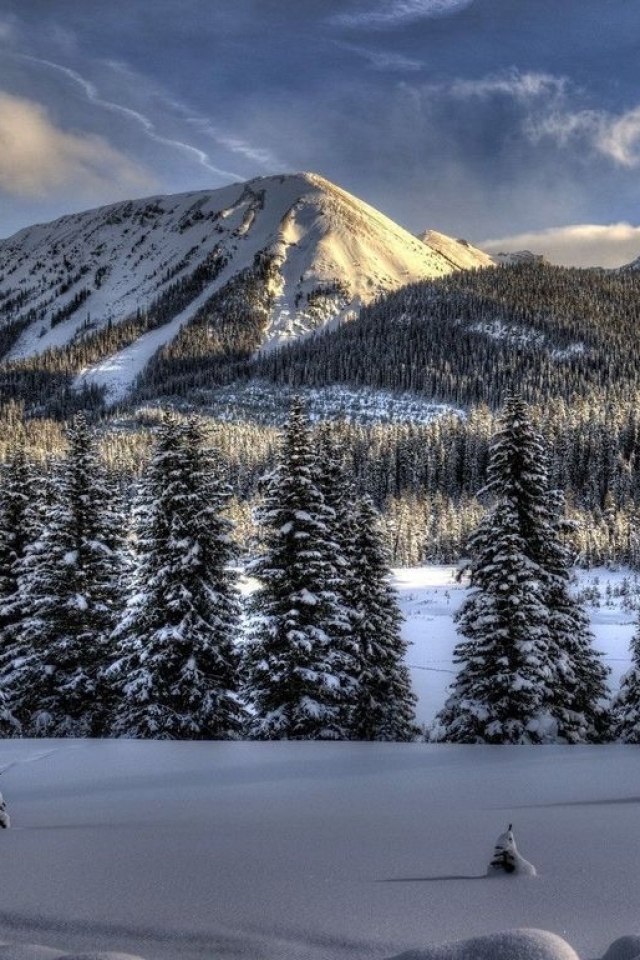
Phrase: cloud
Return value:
(580, 245)
(36, 157)
(91, 93)
(384, 59)
(620, 138)
(399, 12)
(616, 136)
(519, 86)
(234, 144)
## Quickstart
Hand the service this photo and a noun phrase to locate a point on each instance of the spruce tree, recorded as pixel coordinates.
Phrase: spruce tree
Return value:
(68, 594)
(16, 532)
(384, 702)
(529, 673)
(177, 667)
(626, 703)
(505, 678)
(297, 673)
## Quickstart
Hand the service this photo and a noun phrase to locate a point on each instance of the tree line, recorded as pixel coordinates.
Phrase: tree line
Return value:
(109, 628)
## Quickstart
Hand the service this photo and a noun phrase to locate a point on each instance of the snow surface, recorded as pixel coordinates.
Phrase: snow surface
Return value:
(315, 851)
(321, 851)
(429, 597)
(459, 253)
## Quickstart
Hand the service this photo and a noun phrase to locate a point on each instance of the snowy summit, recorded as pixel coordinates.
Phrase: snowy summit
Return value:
(305, 251)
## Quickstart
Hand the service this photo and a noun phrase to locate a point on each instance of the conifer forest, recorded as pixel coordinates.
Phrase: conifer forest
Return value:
(124, 531)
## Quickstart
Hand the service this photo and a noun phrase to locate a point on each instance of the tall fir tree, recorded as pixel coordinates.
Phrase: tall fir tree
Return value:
(529, 672)
(505, 678)
(626, 702)
(384, 703)
(297, 672)
(17, 529)
(68, 594)
(177, 665)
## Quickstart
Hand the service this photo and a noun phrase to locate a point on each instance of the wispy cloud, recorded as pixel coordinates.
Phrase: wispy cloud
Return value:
(38, 157)
(399, 12)
(579, 245)
(384, 59)
(620, 138)
(616, 136)
(144, 122)
(520, 86)
(205, 126)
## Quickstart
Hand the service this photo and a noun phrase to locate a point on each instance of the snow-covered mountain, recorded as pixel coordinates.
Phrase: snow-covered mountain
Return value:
(317, 252)
(630, 267)
(517, 256)
(458, 253)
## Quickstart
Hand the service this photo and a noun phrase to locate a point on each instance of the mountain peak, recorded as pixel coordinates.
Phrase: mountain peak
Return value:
(321, 254)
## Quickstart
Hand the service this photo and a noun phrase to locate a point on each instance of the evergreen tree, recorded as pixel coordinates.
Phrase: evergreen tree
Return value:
(384, 702)
(177, 666)
(68, 594)
(297, 671)
(529, 673)
(626, 703)
(16, 530)
(505, 678)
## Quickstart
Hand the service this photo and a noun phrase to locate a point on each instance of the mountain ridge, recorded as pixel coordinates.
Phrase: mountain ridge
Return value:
(321, 254)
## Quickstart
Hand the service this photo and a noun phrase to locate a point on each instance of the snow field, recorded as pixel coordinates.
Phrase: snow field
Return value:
(315, 851)
(429, 597)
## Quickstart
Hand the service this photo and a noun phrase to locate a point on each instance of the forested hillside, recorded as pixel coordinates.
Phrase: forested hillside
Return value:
(565, 340)
(546, 332)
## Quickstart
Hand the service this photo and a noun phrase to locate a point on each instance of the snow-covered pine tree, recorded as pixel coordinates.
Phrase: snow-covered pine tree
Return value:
(529, 673)
(384, 704)
(16, 531)
(337, 489)
(518, 469)
(626, 702)
(504, 681)
(177, 666)
(582, 699)
(68, 594)
(296, 669)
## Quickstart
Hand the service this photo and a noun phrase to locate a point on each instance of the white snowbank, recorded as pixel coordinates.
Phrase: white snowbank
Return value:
(510, 945)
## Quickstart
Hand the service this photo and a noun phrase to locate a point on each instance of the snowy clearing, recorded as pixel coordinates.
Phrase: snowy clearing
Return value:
(320, 851)
(430, 595)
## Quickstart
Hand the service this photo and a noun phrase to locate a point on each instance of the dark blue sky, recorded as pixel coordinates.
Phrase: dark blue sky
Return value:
(514, 120)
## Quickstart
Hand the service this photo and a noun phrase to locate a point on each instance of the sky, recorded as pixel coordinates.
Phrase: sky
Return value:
(510, 123)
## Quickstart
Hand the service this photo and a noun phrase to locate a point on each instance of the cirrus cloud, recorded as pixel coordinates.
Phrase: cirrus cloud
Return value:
(616, 136)
(399, 12)
(36, 157)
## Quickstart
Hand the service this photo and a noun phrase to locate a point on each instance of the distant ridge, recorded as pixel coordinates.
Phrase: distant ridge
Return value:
(459, 253)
